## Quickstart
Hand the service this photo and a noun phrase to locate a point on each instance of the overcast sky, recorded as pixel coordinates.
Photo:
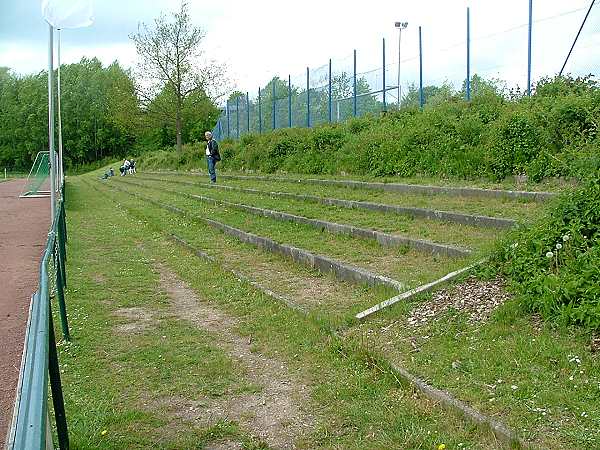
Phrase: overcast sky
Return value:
(259, 39)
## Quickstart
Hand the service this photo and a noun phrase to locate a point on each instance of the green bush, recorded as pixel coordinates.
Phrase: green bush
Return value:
(553, 133)
(553, 265)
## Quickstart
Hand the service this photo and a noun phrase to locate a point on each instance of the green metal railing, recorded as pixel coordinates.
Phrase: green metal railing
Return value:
(31, 429)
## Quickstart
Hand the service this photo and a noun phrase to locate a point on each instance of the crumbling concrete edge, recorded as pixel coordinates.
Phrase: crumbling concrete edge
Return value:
(322, 263)
(445, 216)
(384, 239)
(540, 196)
(240, 276)
(501, 431)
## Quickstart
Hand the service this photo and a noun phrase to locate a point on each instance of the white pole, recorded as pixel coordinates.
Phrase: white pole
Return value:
(400, 26)
(61, 173)
(399, 54)
(51, 121)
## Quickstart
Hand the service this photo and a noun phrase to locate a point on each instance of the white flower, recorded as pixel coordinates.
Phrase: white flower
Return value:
(566, 237)
(514, 245)
(514, 387)
(549, 255)
(558, 246)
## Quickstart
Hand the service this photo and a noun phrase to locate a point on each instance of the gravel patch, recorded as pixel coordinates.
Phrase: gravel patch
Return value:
(476, 298)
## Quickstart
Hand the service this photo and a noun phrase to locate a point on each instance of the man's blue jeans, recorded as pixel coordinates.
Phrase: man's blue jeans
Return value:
(211, 169)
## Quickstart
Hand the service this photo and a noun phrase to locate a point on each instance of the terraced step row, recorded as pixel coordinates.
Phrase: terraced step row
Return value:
(522, 209)
(384, 239)
(473, 192)
(464, 236)
(447, 216)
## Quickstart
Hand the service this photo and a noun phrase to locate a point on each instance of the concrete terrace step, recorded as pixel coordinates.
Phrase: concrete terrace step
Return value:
(398, 187)
(322, 263)
(447, 216)
(384, 239)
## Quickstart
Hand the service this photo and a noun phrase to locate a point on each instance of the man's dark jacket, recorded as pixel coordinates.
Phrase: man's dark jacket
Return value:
(213, 148)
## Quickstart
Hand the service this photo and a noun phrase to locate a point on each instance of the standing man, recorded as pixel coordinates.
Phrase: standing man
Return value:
(212, 155)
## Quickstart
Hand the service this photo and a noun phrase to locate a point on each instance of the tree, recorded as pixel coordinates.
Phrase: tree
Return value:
(171, 64)
(100, 114)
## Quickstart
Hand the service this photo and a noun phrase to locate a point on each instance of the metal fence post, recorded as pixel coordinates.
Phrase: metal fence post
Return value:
(329, 92)
(248, 112)
(60, 295)
(529, 48)
(62, 255)
(237, 116)
(307, 97)
(290, 101)
(421, 94)
(259, 112)
(274, 106)
(220, 128)
(228, 119)
(384, 102)
(56, 387)
(354, 87)
(468, 84)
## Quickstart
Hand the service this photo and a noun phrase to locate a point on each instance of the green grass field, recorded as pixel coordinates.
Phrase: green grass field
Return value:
(174, 351)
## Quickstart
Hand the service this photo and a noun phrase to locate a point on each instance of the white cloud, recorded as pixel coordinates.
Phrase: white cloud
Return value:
(265, 38)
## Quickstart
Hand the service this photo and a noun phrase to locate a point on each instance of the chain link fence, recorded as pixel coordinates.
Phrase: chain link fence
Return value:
(426, 72)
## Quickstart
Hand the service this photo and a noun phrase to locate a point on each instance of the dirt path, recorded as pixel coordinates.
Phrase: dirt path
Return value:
(24, 225)
(277, 414)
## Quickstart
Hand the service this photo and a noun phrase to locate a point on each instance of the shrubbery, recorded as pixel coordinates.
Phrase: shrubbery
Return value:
(554, 264)
(553, 133)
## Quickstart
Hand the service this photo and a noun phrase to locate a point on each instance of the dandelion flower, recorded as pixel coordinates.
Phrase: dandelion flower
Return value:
(558, 246)
(566, 237)
(549, 255)
(104, 432)
(441, 447)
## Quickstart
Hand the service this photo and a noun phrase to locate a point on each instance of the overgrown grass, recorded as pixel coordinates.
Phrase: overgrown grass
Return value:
(405, 265)
(322, 294)
(538, 378)
(107, 377)
(508, 208)
(110, 377)
(554, 265)
(442, 232)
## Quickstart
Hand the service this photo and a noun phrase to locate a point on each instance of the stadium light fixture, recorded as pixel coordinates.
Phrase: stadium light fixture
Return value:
(401, 26)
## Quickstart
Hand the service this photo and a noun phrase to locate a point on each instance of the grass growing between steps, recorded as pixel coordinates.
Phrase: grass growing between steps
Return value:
(506, 208)
(509, 183)
(406, 265)
(541, 380)
(320, 293)
(127, 349)
(109, 376)
(442, 232)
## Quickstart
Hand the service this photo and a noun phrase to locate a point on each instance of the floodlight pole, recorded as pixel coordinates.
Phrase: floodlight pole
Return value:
(401, 26)
(51, 152)
(61, 173)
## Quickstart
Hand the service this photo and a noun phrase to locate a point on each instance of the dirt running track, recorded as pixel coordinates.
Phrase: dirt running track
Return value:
(24, 225)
